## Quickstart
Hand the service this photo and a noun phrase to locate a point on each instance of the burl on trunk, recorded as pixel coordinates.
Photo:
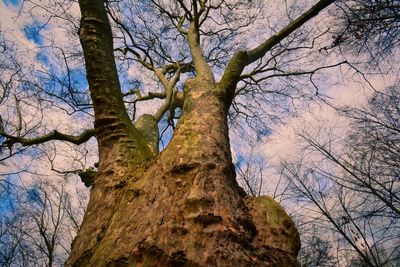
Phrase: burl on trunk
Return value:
(180, 207)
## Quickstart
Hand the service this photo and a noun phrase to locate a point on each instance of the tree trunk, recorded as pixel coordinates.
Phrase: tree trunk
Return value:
(183, 206)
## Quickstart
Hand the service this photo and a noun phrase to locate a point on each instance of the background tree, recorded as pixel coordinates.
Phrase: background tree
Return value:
(315, 250)
(369, 28)
(249, 170)
(353, 183)
(39, 222)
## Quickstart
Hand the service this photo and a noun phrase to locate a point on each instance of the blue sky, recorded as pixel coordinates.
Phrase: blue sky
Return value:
(11, 2)
(32, 32)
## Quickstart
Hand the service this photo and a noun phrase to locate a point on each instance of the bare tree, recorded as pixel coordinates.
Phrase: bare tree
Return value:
(181, 206)
(250, 169)
(316, 250)
(368, 27)
(354, 184)
(38, 224)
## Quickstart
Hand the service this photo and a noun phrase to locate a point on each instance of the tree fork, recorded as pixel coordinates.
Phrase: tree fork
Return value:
(186, 208)
(183, 207)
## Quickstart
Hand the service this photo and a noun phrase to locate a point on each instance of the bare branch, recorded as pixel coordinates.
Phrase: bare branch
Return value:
(54, 135)
(243, 58)
(263, 48)
(169, 95)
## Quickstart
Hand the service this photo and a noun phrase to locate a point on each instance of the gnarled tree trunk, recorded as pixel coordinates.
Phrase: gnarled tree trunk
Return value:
(180, 207)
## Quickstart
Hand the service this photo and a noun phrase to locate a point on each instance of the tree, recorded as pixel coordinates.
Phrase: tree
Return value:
(39, 222)
(369, 27)
(315, 251)
(181, 206)
(353, 182)
(249, 169)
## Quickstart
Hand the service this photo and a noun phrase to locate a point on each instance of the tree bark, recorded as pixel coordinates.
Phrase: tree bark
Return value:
(184, 207)
(180, 207)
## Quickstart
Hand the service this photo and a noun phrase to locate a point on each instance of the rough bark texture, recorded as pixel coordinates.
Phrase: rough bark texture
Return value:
(180, 207)
(184, 207)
